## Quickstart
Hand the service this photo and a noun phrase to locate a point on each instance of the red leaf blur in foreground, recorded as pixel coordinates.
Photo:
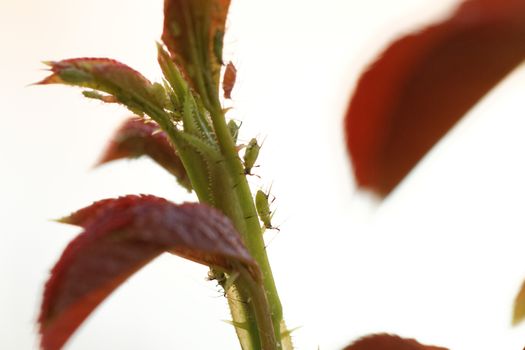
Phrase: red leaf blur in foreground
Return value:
(423, 83)
(136, 138)
(388, 342)
(122, 235)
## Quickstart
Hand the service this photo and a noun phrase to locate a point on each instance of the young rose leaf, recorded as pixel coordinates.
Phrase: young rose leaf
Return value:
(122, 235)
(519, 306)
(136, 138)
(172, 74)
(230, 75)
(389, 342)
(122, 83)
(424, 82)
(193, 33)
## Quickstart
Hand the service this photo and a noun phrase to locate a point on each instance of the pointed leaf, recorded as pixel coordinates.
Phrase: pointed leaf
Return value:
(388, 342)
(193, 33)
(136, 138)
(519, 306)
(172, 74)
(122, 235)
(424, 82)
(126, 85)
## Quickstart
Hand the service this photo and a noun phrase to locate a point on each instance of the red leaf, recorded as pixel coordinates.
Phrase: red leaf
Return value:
(136, 138)
(230, 75)
(389, 342)
(80, 70)
(193, 33)
(424, 83)
(123, 83)
(122, 235)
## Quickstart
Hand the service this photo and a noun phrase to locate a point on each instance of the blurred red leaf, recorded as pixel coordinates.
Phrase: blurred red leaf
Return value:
(136, 138)
(389, 342)
(423, 83)
(122, 235)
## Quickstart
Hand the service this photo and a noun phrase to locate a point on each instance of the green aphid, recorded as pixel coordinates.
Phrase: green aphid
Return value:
(94, 95)
(224, 280)
(230, 280)
(233, 127)
(159, 94)
(250, 156)
(263, 209)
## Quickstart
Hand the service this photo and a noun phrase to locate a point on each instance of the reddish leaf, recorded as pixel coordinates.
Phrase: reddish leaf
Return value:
(122, 235)
(519, 306)
(123, 83)
(423, 83)
(193, 33)
(230, 75)
(388, 342)
(136, 138)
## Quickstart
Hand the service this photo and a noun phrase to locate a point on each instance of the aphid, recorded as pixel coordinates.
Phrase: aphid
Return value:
(250, 156)
(230, 75)
(218, 276)
(233, 127)
(224, 280)
(230, 280)
(263, 209)
(159, 94)
(98, 96)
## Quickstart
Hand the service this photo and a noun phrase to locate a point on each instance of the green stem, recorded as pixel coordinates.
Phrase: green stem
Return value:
(259, 301)
(246, 220)
(250, 228)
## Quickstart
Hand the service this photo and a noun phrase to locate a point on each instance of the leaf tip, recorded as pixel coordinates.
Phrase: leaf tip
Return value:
(518, 313)
(63, 220)
(48, 63)
(51, 79)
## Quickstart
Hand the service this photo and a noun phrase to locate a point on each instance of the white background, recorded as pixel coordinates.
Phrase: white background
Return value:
(440, 260)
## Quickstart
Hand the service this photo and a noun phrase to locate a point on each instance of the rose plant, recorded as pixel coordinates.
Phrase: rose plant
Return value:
(418, 88)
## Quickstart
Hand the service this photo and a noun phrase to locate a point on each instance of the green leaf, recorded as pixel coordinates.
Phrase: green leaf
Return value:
(172, 74)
